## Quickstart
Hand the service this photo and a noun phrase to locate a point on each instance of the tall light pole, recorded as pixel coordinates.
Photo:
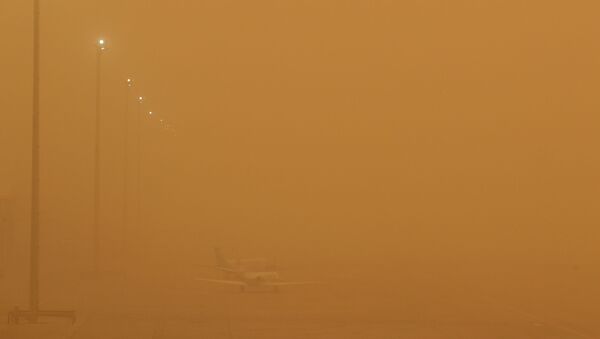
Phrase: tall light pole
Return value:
(34, 289)
(139, 159)
(126, 166)
(34, 312)
(101, 47)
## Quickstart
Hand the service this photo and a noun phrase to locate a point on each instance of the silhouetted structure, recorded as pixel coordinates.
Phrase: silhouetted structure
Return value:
(34, 311)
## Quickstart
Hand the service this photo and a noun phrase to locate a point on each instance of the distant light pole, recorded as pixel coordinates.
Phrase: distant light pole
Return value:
(101, 47)
(126, 165)
(139, 159)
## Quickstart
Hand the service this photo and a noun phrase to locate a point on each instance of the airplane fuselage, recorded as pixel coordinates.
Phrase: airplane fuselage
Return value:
(237, 275)
(258, 278)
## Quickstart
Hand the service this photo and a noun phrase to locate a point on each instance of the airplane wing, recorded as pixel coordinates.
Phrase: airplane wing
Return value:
(288, 283)
(226, 269)
(252, 260)
(223, 282)
(221, 268)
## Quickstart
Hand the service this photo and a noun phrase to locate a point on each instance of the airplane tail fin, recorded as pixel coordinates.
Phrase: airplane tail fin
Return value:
(221, 261)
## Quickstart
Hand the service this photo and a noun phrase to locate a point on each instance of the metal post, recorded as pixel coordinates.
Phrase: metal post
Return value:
(34, 311)
(139, 160)
(35, 170)
(96, 227)
(126, 167)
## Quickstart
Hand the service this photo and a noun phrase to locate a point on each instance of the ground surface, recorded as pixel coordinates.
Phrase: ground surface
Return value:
(343, 307)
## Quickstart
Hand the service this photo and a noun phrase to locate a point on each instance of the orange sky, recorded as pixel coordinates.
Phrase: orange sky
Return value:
(354, 128)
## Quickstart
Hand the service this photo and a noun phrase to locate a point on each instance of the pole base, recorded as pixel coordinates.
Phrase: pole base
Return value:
(17, 314)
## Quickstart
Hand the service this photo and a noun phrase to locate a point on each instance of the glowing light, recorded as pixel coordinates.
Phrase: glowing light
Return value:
(150, 113)
(140, 99)
(129, 82)
(102, 44)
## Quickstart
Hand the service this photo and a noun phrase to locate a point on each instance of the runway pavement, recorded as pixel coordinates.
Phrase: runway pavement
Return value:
(338, 308)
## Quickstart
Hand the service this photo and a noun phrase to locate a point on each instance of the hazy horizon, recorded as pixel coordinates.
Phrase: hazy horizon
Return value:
(458, 139)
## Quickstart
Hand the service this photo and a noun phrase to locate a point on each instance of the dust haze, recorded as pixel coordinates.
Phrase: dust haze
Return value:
(432, 165)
